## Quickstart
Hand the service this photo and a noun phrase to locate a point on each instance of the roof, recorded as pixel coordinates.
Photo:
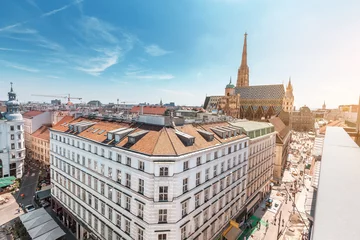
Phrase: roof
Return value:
(43, 133)
(336, 123)
(40, 225)
(280, 127)
(62, 124)
(31, 114)
(338, 194)
(251, 125)
(318, 146)
(275, 91)
(156, 110)
(158, 141)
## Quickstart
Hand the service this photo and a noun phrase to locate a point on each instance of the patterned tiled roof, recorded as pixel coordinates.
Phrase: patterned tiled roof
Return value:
(277, 109)
(275, 91)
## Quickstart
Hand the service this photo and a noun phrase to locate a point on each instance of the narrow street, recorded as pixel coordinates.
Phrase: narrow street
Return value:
(284, 219)
(28, 184)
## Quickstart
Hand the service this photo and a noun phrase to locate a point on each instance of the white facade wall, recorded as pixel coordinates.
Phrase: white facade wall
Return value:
(261, 164)
(33, 124)
(69, 152)
(12, 148)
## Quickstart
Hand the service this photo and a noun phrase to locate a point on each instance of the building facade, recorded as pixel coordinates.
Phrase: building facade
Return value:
(283, 137)
(302, 120)
(33, 120)
(261, 159)
(143, 181)
(40, 142)
(252, 102)
(12, 147)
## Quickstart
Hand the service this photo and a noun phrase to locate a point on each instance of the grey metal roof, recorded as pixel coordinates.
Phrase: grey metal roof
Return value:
(275, 91)
(338, 191)
(41, 226)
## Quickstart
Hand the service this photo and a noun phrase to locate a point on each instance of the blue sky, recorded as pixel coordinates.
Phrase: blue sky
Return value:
(142, 51)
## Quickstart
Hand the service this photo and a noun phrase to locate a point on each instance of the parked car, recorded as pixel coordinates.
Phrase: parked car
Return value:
(29, 208)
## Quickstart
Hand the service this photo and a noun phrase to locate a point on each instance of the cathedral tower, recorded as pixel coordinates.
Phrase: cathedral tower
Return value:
(288, 101)
(243, 71)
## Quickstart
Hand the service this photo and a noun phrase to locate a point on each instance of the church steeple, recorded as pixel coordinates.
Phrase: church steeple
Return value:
(324, 106)
(243, 71)
(289, 86)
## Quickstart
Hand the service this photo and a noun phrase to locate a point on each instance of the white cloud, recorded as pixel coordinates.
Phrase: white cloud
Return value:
(60, 9)
(13, 50)
(23, 68)
(9, 27)
(55, 11)
(95, 30)
(96, 65)
(155, 50)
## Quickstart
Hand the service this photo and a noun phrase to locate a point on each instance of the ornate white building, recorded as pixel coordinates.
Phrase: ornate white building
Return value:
(147, 180)
(12, 147)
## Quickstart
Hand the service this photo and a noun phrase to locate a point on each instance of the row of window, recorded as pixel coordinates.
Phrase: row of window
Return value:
(13, 146)
(116, 174)
(12, 137)
(113, 216)
(12, 128)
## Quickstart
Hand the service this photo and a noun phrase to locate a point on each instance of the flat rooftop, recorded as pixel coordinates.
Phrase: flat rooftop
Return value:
(251, 125)
(338, 192)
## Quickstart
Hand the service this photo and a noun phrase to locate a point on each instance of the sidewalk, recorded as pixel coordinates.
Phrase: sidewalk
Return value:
(267, 228)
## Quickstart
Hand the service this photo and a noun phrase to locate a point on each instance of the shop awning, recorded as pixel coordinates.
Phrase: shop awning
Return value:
(43, 194)
(6, 181)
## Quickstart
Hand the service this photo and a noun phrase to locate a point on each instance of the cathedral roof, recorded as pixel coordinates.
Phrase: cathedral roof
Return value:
(275, 91)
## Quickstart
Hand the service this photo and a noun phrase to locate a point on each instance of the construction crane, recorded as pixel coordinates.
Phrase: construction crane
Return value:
(57, 96)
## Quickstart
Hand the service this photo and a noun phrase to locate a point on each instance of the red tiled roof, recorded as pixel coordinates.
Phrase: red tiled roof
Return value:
(43, 133)
(60, 125)
(155, 110)
(158, 141)
(31, 114)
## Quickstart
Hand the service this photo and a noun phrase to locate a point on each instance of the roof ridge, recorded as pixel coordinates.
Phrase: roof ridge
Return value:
(170, 141)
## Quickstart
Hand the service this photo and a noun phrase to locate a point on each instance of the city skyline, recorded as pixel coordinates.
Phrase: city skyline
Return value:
(113, 50)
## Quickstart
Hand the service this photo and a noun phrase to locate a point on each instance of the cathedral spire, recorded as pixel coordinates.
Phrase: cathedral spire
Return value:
(244, 53)
(289, 86)
(243, 71)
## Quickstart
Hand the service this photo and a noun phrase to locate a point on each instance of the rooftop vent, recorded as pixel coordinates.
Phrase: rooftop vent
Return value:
(226, 131)
(80, 126)
(111, 134)
(136, 136)
(220, 132)
(119, 135)
(187, 139)
(207, 135)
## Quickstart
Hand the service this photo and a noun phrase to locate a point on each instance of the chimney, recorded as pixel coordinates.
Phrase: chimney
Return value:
(141, 109)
